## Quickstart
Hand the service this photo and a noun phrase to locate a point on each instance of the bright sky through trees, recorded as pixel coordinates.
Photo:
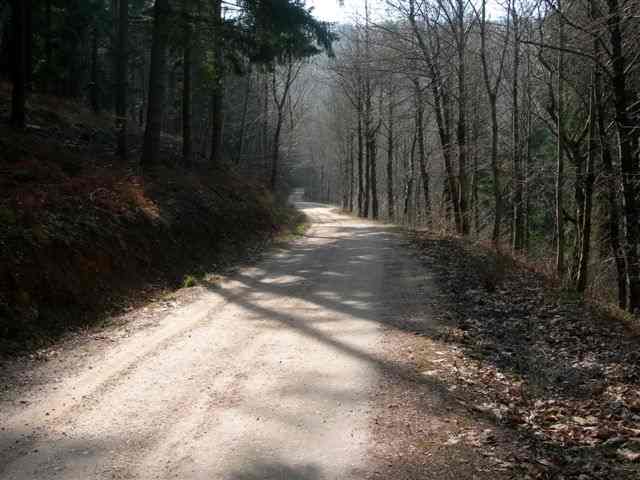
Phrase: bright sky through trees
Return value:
(331, 11)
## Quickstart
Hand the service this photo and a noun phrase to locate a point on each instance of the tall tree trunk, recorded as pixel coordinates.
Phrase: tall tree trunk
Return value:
(367, 179)
(121, 76)
(28, 45)
(589, 179)
(265, 123)
(243, 120)
(217, 95)
(492, 88)
(48, 45)
(352, 177)
(475, 197)
(627, 131)
(518, 177)
(441, 107)
(290, 76)
(373, 153)
(360, 161)
(187, 140)
(19, 62)
(461, 132)
(527, 169)
(408, 214)
(422, 161)
(611, 208)
(390, 150)
(94, 87)
(155, 104)
(5, 15)
(276, 152)
(560, 244)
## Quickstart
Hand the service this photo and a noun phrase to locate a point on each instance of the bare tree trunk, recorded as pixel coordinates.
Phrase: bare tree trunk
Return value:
(527, 160)
(390, 150)
(292, 71)
(187, 57)
(217, 95)
(243, 121)
(441, 107)
(155, 105)
(94, 89)
(367, 179)
(410, 179)
(19, 62)
(628, 133)
(611, 213)
(461, 132)
(360, 159)
(518, 177)
(48, 47)
(275, 155)
(589, 179)
(373, 162)
(122, 56)
(560, 266)
(422, 161)
(475, 198)
(351, 173)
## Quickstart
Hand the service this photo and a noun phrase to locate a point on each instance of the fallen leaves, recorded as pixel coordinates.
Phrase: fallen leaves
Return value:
(628, 454)
(548, 368)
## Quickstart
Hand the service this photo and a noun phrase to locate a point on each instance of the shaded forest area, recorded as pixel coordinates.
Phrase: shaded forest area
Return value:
(140, 142)
(512, 123)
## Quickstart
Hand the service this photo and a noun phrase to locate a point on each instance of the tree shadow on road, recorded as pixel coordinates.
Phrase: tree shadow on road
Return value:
(275, 470)
(334, 272)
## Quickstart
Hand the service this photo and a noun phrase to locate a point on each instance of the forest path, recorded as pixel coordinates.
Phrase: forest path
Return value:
(268, 374)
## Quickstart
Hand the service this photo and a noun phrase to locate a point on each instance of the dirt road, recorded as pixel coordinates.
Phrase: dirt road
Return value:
(268, 374)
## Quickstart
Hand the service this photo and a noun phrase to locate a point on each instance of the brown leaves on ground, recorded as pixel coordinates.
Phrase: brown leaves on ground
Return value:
(559, 379)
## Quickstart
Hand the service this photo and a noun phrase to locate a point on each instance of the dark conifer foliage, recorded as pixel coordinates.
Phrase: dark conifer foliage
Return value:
(164, 69)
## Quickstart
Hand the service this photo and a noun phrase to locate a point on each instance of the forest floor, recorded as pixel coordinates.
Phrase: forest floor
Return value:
(354, 352)
(84, 234)
(534, 380)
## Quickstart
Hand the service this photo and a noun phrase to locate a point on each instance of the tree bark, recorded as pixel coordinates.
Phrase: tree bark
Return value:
(217, 95)
(243, 120)
(121, 76)
(461, 131)
(155, 104)
(360, 159)
(589, 178)
(390, 151)
(422, 161)
(441, 107)
(492, 96)
(19, 62)
(627, 131)
(373, 153)
(187, 140)
(611, 208)
(560, 266)
(292, 71)
(94, 87)
(518, 177)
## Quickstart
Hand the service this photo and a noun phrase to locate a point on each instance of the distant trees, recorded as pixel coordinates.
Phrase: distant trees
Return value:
(163, 67)
(522, 129)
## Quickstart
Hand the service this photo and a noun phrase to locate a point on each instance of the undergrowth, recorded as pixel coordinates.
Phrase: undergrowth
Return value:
(83, 234)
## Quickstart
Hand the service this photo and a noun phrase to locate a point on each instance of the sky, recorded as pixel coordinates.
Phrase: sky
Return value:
(329, 10)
